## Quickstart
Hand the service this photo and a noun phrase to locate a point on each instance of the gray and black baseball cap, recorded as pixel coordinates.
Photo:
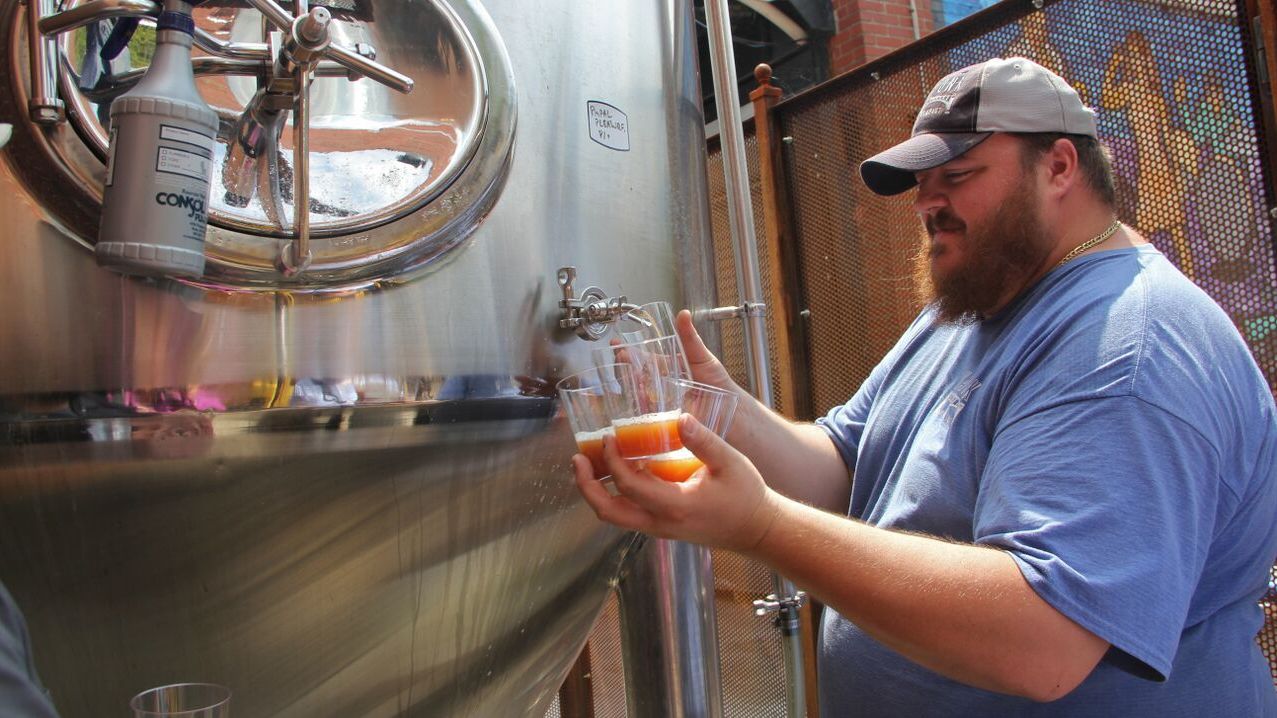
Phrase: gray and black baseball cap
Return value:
(999, 95)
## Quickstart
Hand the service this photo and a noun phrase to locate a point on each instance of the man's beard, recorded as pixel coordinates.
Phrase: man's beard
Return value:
(999, 255)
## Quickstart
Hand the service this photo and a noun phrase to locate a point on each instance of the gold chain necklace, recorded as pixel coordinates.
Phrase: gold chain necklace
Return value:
(1112, 228)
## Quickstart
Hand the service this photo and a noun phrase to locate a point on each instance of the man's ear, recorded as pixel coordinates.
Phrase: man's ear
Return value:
(1063, 170)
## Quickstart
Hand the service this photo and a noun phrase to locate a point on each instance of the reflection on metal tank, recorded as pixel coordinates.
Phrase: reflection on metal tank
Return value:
(345, 492)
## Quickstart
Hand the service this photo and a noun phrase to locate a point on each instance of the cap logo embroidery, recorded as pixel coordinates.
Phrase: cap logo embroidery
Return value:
(943, 96)
(952, 84)
(938, 105)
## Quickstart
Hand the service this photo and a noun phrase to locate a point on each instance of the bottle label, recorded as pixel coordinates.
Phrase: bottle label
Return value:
(190, 203)
(183, 135)
(176, 161)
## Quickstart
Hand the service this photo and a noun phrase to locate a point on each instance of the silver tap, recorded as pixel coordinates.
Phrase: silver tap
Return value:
(591, 313)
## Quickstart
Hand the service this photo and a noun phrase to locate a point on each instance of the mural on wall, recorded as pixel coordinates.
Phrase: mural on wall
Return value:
(1174, 103)
(949, 11)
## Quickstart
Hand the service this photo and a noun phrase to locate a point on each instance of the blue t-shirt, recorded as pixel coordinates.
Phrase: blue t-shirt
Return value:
(1111, 432)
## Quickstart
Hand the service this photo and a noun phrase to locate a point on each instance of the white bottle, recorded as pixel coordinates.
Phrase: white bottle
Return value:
(155, 205)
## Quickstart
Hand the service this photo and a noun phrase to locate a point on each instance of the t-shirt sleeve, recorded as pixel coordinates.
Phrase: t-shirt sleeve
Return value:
(845, 424)
(1107, 506)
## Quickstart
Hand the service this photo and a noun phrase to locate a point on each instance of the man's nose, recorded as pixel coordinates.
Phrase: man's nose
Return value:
(928, 200)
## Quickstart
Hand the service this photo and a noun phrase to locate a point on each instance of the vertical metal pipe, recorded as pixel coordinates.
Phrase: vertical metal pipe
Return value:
(740, 214)
(748, 281)
(301, 168)
(913, 17)
(668, 642)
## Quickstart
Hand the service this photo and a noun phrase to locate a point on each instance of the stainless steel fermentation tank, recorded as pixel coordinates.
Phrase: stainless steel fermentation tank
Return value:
(342, 491)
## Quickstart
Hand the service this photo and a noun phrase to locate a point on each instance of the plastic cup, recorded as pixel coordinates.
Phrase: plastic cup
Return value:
(183, 700)
(647, 321)
(712, 407)
(651, 361)
(585, 396)
(644, 409)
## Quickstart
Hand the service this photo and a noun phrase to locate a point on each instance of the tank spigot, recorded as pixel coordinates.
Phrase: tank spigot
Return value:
(591, 313)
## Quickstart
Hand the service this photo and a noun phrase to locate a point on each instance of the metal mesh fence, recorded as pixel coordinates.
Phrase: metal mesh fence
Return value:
(1268, 636)
(1172, 85)
(752, 656)
(1175, 88)
(607, 674)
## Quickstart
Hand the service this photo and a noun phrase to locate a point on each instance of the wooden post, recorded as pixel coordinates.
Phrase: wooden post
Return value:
(780, 250)
(576, 695)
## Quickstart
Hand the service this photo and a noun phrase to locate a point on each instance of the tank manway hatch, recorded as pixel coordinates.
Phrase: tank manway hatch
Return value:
(396, 179)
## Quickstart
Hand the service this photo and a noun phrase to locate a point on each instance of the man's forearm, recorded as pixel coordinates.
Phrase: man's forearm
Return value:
(961, 610)
(798, 460)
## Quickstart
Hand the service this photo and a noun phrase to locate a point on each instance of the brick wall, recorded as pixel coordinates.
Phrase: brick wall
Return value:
(869, 29)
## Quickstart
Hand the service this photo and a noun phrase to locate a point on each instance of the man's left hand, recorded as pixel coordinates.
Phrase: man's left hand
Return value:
(724, 504)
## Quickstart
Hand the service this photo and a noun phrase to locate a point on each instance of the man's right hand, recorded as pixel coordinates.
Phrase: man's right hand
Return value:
(798, 460)
(706, 368)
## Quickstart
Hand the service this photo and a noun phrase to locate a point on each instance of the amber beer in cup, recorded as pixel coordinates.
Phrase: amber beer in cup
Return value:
(712, 407)
(590, 443)
(675, 466)
(645, 413)
(647, 434)
(585, 399)
(645, 410)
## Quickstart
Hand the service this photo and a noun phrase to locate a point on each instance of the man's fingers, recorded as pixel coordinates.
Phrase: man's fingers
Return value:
(617, 510)
(644, 489)
(708, 446)
(693, 345)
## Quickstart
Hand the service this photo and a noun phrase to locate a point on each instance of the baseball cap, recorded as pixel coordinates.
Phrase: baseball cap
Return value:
(999, 95)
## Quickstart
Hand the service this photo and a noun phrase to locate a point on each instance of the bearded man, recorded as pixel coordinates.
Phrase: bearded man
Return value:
(1055, 496)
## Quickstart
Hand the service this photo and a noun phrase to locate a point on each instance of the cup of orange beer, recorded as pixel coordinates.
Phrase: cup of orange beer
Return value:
(644, 410)
(585, 401)
(713, 407)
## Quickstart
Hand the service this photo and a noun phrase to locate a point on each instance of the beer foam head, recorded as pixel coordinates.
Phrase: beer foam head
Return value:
(584, 436)
(683, 454)
(659, 417)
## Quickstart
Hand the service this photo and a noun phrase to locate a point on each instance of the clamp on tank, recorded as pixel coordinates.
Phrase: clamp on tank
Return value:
(787, 610)
(591, 313)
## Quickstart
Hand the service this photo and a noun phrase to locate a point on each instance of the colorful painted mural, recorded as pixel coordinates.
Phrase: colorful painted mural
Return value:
(950, 11)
